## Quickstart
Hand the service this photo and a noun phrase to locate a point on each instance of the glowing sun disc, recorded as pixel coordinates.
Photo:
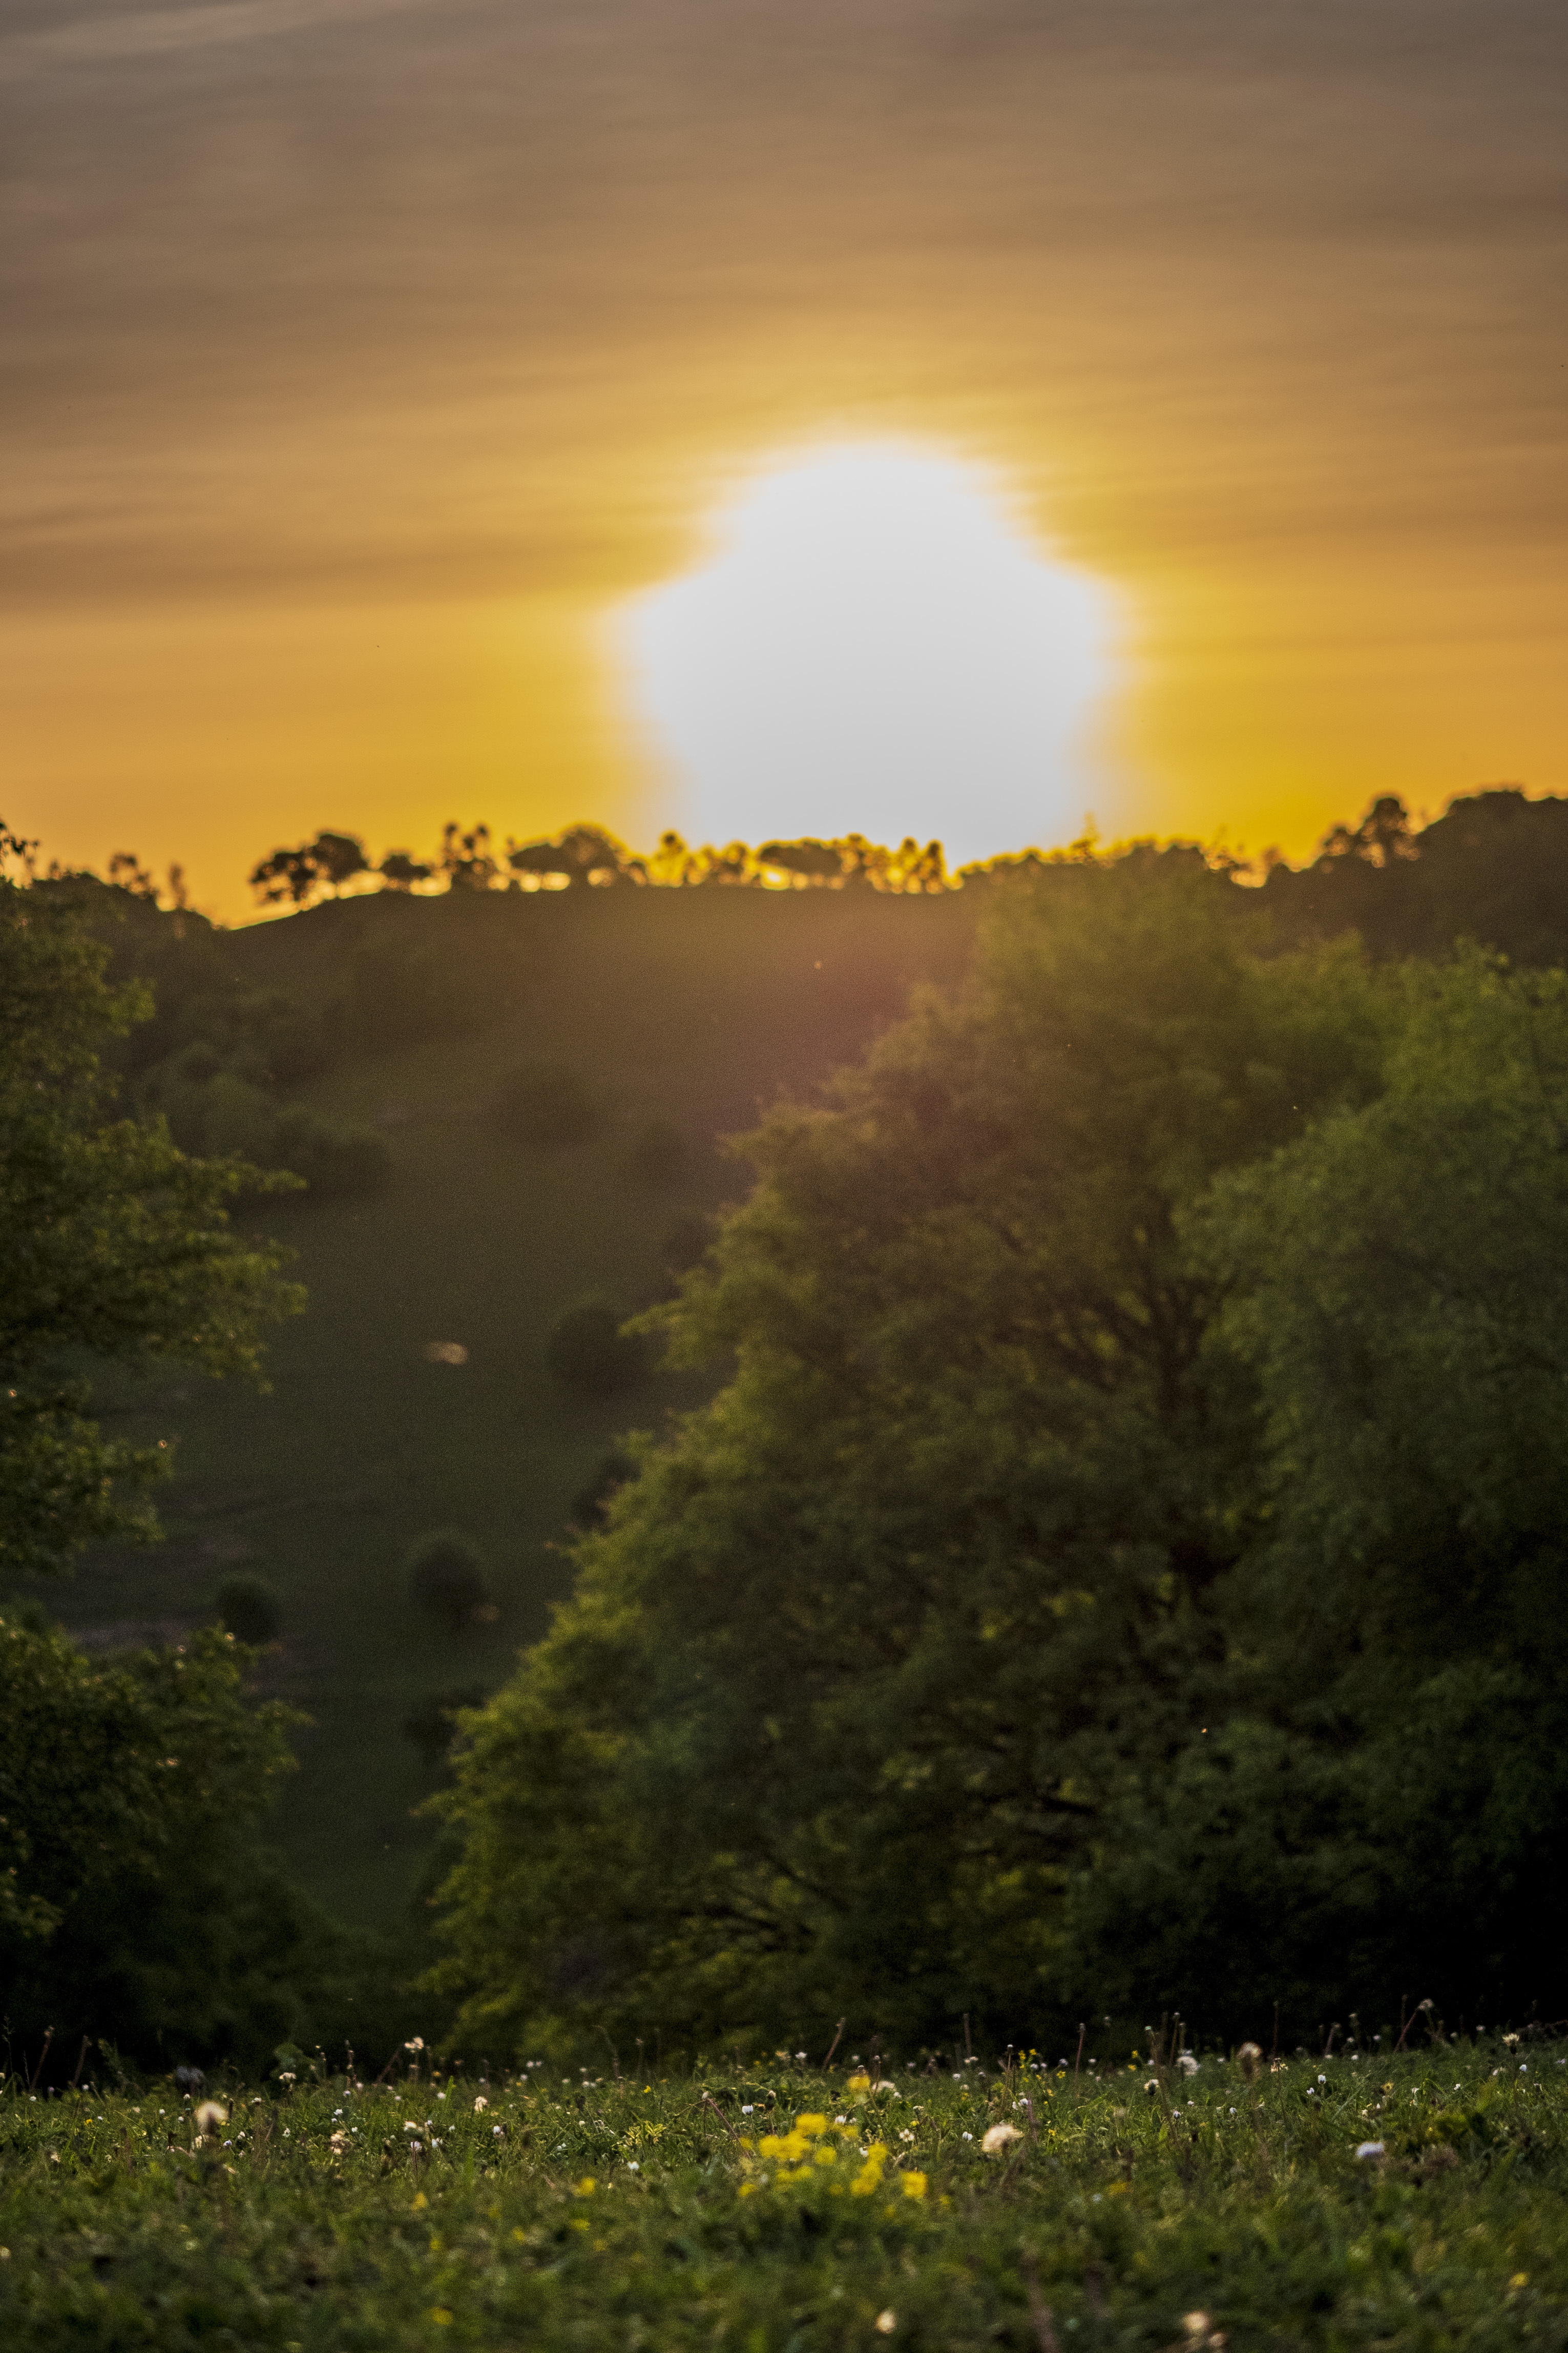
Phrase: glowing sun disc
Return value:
(875, 645)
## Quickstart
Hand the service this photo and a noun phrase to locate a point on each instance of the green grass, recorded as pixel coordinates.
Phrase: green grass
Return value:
(737, 2208)
(689, 1008)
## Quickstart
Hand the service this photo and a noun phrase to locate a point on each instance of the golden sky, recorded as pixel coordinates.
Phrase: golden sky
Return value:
(365, 355)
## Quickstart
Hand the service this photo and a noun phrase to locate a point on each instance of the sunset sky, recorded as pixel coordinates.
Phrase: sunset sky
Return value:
(373, 363)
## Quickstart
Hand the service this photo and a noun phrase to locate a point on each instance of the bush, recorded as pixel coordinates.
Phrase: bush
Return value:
(446, 1578)
(249, 1610)
(338, 1160)
(658, 1156)
(545, 1106)
(589, 1352)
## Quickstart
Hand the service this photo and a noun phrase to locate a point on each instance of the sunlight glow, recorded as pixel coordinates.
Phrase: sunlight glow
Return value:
(877, 645)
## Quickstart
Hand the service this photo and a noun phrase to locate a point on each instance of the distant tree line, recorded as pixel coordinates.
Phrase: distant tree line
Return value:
(584, 857)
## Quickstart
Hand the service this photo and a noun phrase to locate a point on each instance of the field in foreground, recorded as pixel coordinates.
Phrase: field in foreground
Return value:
(773, 2206)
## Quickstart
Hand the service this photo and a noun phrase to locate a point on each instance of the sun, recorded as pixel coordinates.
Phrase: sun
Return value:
(876, 644)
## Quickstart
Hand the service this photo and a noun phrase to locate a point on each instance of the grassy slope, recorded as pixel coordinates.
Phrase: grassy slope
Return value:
(590, 2213)
(692, 1008)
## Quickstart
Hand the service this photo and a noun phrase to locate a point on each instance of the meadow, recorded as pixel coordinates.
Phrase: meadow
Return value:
(1128, 2196)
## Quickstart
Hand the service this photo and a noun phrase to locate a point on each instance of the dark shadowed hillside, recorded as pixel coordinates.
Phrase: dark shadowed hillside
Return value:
(416, 1394)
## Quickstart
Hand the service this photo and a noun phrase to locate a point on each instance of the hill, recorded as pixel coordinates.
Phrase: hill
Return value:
(403, 1018)
(508, 1105)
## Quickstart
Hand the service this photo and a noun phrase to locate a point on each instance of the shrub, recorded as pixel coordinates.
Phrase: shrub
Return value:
(339, 1160)
(545, 1106)
(249, 1610)
(446, 1578)
(659, 1156)
(588, 1351)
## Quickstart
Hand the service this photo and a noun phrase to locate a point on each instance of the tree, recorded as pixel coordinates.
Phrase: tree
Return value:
(113, 1245)
(446, 1579)
(134, 1902)
(584, 854)
(1389, 1807)
(466, 858)
(298, 875)
(855, 1676)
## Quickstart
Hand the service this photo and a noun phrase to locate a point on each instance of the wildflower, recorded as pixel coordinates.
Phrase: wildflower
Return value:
(208, 2117)
(887, 2322)
(1187, 2064)
(586, 2187)
(999, 2137)
(1196, 2323)
(1247, 2059)
(1370, 2149)
(480, 2104)
(914, 2184)
(417, 2043)
(860, 2083)
(338, 2143)
(1152, 2087)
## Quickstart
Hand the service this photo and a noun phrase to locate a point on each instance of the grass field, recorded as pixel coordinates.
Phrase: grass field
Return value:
(691, 1009)
(775, 2206)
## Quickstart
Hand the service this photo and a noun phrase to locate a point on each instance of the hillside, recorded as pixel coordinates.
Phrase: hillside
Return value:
(369, 1043)
(680, 1011)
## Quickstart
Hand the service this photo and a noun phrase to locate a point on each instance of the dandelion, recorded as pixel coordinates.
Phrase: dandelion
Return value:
(999, 2137)
(586, 2187)
(914, 2184)
(208, 2117)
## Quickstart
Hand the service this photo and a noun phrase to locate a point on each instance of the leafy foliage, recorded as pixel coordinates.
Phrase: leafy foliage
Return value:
(878, 1640)
(135, 1903)
(115, 1246)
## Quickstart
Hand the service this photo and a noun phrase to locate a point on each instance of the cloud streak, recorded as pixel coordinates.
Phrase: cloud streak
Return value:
(164, 32)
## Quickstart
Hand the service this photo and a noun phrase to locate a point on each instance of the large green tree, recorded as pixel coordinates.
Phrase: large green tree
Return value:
(114, 1245)
(853, 1685)
(1386, 1810)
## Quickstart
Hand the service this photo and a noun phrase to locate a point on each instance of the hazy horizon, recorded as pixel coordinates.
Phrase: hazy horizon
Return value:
(368, 358)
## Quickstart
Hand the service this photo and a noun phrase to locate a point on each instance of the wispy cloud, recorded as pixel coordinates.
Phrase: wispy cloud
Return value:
(159, 32)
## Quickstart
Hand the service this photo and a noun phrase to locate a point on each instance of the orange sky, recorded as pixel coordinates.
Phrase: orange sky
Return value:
(365, 352)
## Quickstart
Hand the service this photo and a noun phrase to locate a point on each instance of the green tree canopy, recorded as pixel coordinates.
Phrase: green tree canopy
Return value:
(113, 1244)
(853, 1680)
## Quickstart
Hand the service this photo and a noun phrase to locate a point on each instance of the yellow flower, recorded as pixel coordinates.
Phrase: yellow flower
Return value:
(749, 2189)
(440, 2316)
(419, 2201)
(914, 2185)
(859, 2083)
(586, 2187)
(826, 2154)
(812, 2127)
